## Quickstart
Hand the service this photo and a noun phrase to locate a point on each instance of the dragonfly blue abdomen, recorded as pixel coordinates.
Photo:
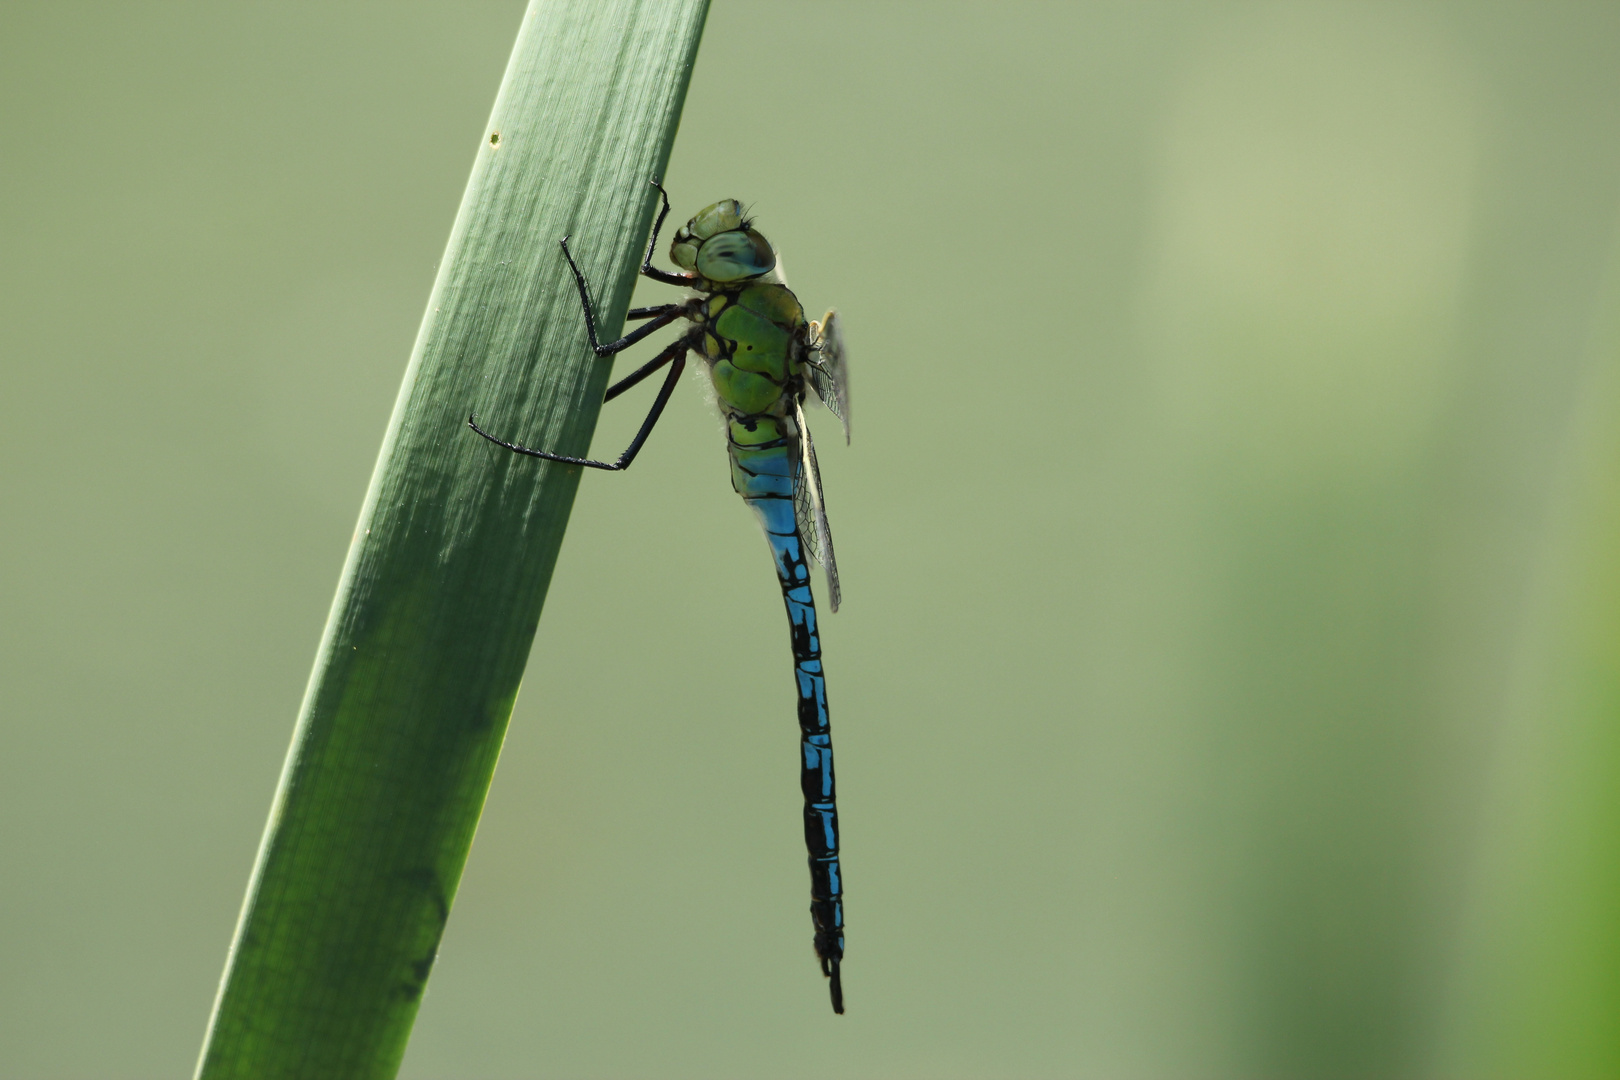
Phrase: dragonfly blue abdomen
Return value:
(776, 514)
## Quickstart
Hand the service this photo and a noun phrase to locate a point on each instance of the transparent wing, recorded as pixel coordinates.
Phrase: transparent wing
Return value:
(810, 509)
(828, 367)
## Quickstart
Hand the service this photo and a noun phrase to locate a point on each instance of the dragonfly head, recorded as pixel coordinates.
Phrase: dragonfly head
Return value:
(721, 245)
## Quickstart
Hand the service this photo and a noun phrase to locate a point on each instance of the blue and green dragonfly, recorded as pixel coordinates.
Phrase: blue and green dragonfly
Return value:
(763, 357)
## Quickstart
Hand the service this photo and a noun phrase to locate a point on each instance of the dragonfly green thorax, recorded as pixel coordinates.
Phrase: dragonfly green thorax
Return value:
(754, 337)
(721, 245)
(764, 359)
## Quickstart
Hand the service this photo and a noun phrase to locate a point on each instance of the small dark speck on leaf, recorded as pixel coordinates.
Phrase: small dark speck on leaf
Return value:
(494, 138)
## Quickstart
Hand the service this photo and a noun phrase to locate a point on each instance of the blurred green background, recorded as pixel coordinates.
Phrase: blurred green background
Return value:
(1228, 676)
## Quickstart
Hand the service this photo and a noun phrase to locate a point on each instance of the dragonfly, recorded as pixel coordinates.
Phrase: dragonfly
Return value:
(764, 358)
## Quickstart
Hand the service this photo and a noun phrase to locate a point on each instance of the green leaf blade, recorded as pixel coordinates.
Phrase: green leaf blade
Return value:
(436, 610)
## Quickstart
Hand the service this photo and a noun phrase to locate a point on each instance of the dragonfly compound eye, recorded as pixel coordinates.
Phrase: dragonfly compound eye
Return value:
(719, 217)
(735, 255)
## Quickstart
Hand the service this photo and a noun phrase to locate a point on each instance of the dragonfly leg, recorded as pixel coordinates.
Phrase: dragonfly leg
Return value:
(675, 356)
(673, 312)
(645, 370)
(648, 312)
(647, 268)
